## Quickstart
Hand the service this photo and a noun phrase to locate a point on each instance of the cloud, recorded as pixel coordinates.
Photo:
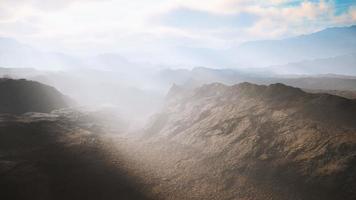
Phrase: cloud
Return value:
(197, 19)
(161, 25)
(297, 18)
(44, 5)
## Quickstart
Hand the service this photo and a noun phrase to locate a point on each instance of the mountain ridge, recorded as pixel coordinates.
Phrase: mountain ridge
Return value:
(329, 42)
(297, 144)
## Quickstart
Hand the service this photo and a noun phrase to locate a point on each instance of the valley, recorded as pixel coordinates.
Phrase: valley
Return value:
(244, 141)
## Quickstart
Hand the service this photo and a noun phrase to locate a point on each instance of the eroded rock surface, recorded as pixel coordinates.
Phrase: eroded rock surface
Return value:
(256, 142)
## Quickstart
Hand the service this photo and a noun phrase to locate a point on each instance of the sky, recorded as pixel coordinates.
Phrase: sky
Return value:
(147, 28)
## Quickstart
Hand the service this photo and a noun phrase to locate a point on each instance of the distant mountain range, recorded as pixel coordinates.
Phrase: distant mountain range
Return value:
(327, 43)
(328, 51)
(344, 64)
(17, 55)
(199, 76)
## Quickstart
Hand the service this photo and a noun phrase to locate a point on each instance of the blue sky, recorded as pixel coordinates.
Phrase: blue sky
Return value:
(147, 28)
(342, 6)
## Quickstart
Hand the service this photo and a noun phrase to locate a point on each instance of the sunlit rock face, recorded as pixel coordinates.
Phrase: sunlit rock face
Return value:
(21, 96)
(259, 142)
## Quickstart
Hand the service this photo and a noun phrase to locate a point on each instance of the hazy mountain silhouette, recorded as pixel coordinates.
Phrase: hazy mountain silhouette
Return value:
(344, 64)
(327, 43)
(199, 76)
(15, 54)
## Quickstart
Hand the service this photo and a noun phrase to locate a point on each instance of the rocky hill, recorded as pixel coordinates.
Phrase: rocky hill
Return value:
(214, 142)
(250, 141)
(20, 96)
(59, 155)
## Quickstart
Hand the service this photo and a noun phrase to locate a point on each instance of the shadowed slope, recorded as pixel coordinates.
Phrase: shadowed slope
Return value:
(20, 96)
(44, 156)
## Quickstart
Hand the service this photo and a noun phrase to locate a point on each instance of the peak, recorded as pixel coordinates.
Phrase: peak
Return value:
(211, 89)
(272, 93)
(279, 87)
(281, 92)
(176, 91)
(275, 89)
(247, 85)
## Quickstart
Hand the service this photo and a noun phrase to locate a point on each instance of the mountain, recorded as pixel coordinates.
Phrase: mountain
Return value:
(21, 96)
(128, 94)
(315, 82)
(200, 75)
(313, 53)
(250, 141)
(18, 72)
(327, 43)
(344, 64)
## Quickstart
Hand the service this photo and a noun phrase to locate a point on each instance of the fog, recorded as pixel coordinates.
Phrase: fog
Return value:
(127, 54)
(136, 88)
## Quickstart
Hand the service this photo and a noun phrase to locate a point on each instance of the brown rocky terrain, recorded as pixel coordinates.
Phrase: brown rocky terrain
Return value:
(53, 156)
(246, 142)
(255, 142)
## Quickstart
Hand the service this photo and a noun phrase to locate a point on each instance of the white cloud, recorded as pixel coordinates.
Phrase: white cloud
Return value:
(126, 25)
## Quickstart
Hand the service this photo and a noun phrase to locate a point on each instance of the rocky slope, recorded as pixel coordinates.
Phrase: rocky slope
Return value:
(59, 155)
(255, 142)
(246, 142)
(20, 96)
